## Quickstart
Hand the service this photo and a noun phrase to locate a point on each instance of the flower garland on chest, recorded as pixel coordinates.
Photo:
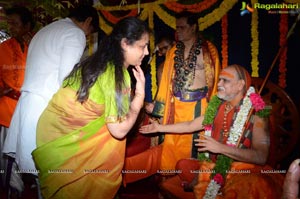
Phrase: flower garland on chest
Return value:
(223, 163)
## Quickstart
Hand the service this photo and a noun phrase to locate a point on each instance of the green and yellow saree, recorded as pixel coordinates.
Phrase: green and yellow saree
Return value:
(76, 155)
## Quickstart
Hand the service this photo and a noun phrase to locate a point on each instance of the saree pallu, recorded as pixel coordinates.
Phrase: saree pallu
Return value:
(77, 157)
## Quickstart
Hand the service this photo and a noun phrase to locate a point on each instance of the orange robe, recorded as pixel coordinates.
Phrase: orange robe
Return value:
(179, 146)
(12, 69)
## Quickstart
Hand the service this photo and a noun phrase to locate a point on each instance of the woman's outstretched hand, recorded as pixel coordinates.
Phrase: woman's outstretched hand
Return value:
(153, 127)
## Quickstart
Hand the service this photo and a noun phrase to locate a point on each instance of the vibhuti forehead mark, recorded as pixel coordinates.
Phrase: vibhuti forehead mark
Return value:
(226, 74)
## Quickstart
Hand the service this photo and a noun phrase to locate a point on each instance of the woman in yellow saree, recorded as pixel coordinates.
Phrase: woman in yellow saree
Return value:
(81, 133)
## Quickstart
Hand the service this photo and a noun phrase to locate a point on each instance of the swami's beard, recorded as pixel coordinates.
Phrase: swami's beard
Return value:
(222, 95)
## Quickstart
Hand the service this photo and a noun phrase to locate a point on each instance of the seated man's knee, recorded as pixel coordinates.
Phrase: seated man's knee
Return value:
(188, 169)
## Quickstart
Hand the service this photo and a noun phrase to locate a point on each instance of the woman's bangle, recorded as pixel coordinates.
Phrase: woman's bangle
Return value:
(139, 95)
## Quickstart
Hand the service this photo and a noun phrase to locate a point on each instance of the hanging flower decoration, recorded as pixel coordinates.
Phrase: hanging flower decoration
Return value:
(255, 42)
(113, 19)
(160, 11)
(283, 29)
(223, 163)
(165, 16)
(104, 25)
(153, 63)
(224, 51)
(216, 14)
(195, 7)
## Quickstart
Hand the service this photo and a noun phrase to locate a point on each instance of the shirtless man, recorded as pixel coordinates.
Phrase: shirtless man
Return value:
(188, 80)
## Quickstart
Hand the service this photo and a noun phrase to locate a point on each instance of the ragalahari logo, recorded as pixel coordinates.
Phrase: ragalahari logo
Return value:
(246, 9)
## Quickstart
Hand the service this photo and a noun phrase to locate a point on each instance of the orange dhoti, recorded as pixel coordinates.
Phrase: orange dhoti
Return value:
(243, 181)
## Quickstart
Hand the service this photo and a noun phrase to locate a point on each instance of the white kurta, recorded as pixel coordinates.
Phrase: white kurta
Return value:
(52, 53)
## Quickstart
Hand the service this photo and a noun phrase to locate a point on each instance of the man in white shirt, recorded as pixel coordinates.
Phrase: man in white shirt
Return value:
(52, 54)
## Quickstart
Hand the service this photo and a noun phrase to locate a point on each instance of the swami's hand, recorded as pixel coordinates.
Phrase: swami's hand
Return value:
(153, 127)
(207, 143)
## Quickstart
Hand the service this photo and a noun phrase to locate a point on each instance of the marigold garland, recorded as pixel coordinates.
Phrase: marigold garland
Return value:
(283, 29)
(224, 51)
(165, 16)
(113, 19)
(144, 14)
(168, 19)
(153, 63)
(216, 14)
(255, 42)
(196, 7)
(104, 25)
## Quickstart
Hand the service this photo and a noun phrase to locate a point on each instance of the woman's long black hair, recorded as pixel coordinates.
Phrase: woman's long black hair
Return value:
(109, 51)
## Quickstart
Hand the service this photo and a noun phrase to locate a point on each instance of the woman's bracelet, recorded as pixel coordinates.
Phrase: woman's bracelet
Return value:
(139, 95)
